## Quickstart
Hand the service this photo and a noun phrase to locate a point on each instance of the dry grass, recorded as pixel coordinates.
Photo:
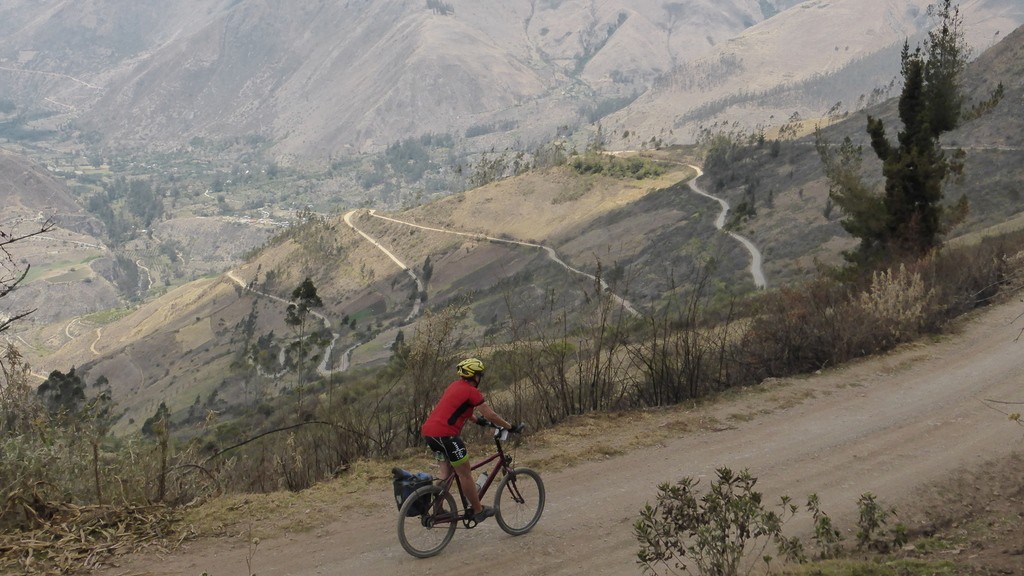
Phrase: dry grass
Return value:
(535, 207)
(66, 538)
(366, 485)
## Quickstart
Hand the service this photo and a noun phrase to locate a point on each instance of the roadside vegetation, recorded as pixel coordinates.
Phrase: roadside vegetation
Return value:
(728, 529)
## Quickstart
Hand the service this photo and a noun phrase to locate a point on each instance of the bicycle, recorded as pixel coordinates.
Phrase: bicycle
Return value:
(518, 504)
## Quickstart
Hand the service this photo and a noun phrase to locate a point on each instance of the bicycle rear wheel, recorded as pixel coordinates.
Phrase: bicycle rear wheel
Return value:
(519, 501)
(426, 534)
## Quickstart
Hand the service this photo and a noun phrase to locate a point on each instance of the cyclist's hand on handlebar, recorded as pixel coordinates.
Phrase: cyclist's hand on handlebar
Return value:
(518, 428)
(481, 421)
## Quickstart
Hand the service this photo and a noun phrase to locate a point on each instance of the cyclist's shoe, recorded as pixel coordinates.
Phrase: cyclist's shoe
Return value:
(484, 514)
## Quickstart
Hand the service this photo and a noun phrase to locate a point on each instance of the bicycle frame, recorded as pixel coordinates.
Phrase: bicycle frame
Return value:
(502, 463)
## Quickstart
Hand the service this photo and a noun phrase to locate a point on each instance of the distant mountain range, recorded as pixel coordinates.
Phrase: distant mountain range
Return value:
(323, 79)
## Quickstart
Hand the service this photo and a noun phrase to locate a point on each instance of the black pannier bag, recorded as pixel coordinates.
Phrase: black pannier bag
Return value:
(408, 482)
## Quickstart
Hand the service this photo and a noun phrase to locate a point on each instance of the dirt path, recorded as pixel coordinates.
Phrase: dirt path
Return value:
(887, 426)
(755, 255)
(322, 368)
(420, 284)
(551, 253)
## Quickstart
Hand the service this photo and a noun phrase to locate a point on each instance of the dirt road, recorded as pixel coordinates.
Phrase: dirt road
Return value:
(888, 426)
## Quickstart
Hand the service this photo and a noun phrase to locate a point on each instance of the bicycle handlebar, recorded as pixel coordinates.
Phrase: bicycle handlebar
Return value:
(499, 431)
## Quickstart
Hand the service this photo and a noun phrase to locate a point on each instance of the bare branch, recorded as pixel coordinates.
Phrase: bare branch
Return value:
(12, 274)
(267, 433)
(6, 238)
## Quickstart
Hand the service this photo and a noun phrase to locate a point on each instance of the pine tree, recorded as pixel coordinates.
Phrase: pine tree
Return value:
(909, 218)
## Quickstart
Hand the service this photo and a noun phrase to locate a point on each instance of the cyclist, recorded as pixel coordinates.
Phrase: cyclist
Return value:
(442, 428)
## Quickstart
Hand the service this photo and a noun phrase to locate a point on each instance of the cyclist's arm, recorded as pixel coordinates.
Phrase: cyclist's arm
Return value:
(489, 413)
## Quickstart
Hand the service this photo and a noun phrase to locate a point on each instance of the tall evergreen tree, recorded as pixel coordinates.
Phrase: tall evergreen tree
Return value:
(909, 218)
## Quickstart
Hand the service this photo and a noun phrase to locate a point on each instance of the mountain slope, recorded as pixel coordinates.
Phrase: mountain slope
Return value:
(804, 61)
(366, 74)
(193, 341)
(324, 79)
(69, 271)
(646, 236)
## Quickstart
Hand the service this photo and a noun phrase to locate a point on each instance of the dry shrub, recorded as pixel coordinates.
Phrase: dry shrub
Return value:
(972, 276)
(63, 538)
(677, 358)
(556, 369)
(896, 304)
(824, 322)
(73, 497)
(293, 458)
(797, 329)
(20, 407)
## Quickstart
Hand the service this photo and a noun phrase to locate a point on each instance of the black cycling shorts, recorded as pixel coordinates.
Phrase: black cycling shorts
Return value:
(450, 448)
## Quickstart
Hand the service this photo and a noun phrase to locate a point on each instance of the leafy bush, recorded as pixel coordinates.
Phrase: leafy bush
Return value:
(716, 533)
(634, 167)
(726, 531)
(827, 537)
(871, 526)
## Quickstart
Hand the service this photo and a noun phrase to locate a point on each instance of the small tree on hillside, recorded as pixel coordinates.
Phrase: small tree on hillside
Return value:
(62, 393)
(304, 299)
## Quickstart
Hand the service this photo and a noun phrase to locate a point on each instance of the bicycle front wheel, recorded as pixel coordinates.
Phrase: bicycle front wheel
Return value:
(427, 521)
(519, 501)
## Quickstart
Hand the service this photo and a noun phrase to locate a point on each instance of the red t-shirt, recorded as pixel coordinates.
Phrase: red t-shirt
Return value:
(455, 407)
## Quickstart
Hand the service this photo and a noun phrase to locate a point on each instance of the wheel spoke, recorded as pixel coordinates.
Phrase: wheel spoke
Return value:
(427, 534)
(520, 501)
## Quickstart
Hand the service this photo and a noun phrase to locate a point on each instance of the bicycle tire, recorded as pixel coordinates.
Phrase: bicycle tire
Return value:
(426, 535)
(519, 501)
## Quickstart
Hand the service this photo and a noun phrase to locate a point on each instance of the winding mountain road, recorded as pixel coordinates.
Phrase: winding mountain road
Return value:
(755, 268)
(420, 285)
(322, 369)
(755, 255)
(551, 254)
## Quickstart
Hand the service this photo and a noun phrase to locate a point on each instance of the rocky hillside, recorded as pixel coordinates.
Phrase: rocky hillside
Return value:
(784, 183)
(819, 57)
(325, 79)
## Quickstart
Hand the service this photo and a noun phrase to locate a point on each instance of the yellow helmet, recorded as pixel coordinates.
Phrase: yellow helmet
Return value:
(470, 367)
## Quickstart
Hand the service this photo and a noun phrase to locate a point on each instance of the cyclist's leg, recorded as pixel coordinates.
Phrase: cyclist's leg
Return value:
(465, 473)
(456, 457)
